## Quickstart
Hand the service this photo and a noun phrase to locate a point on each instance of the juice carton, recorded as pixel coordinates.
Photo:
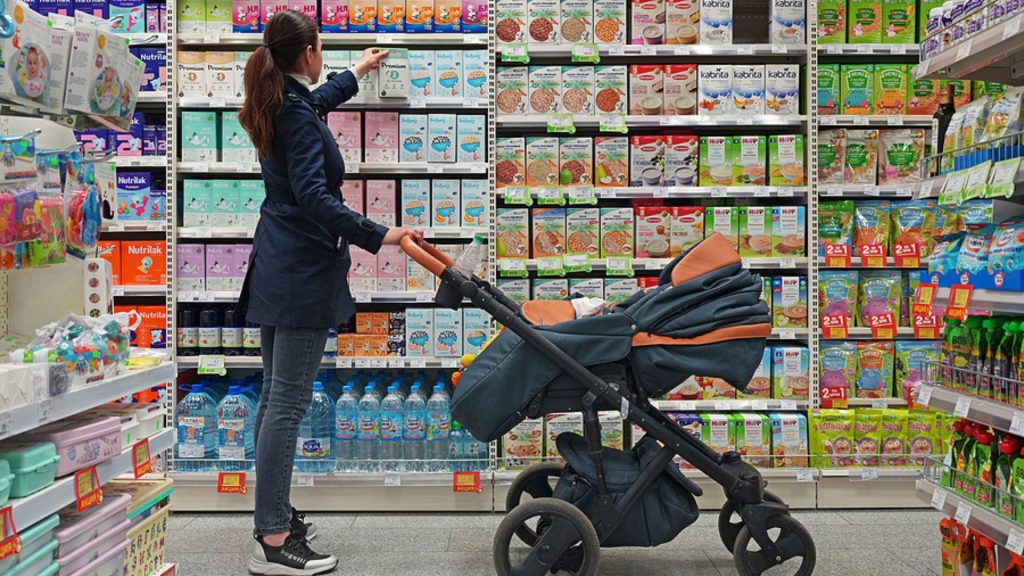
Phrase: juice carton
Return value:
(362, 15)
(576, 161)
(717, 154)
(782, 88)
(831, 21)
(619, 289)
(789, 301)
(583, 228)
(750, 162)
(471, 136)
(646, 160)
(760, 385)
(788, 21)
(611, 168)
(220, 266)
(476, 329)
(789, 231)
(892, 82)
(474, 74)
(786, 160)
(829, 89)
(198, 198)
(719, 431)
(513, 233)
(894, 438)
(682, 18)
(560, 423)
(874, 369)
(899, 22)
(589, 287)
(755, 231)
(220, 74)
(447, 15)
(441, 135)
(648, 21)
(475, 200)
(653, 232)
(680, 89)
(790, 372)
(923, 97)
(381, 201)
(548, 232)
(235, 143)
(832, 438)
(754, 438)
(748, 89)
(419, 16)
(448, 73)
(617, 226)
(545, 84)
(362, 275)
(716, 22)
(419, 332)
(390, 16)
(225, 203)
(381, 137)
(511, 21)
(724, 220)
(611, 429)
(577, 94)
(789, 440)
(681, 153)
(390, 269)
(412, 133)
(445, 210)
(524, 444)
(687, 228)
(865, 22)
(191, 267)
(646, 88)
(143, 263)
(857, 88)
(347, 128)
(714, 89)
(549, 288)
(199, 136)
(610, 21)
(415, 203)
(421, 73)
(333, 16)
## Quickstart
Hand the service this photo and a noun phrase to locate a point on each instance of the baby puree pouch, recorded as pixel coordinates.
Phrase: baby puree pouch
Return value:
(894, 438)
(833, 437)
(900, 155)
(867, 427)
(861, 157)
(874, 369)
(879, 294)
(831, 156)
(923, 436)
(837, 293)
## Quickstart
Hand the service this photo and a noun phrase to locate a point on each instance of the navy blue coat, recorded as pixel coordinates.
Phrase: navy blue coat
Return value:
(298, 271)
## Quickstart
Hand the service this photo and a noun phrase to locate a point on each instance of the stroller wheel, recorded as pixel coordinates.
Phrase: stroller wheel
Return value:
(794, 543)
(730, 523)
(569, 543)
(535, 482)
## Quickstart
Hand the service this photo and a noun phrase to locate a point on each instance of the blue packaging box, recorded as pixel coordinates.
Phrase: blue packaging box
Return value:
(133, 196)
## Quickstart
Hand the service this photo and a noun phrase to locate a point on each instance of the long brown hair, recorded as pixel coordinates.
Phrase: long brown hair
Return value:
(287, 36)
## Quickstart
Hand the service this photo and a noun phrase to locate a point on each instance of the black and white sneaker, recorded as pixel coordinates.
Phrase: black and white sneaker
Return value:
(295, 558)
(302, 528)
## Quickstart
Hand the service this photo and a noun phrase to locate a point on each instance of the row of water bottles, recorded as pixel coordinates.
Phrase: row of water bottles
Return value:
(217, 433)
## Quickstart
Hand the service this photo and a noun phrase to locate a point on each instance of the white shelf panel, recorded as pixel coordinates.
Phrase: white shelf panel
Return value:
(988, 412)
(191, 102)
(138, 290)
(874, 120)
(876, 402)
(994, 301)
(355, 39)
(32, 509)
(25, 418)
(869, 49)
(634, 50)
(790, 333)
(865, 474)
(982, 520)
(147, 39)
(139, 161)
(750, 120)
(230, 297)
(158, 226)
(728, 405)
(865, 191)
(351, 168)
(256, 362)
(152, 98)
(239, 233)
(660, 263)
(988, 55)
(699, 192)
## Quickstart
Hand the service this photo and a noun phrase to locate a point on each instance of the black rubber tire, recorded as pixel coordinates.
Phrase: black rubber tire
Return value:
(729, 530)
(533, 481)
(588, 542)
(795, 540)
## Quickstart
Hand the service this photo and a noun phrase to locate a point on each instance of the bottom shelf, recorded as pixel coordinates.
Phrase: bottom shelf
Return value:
(982, 519)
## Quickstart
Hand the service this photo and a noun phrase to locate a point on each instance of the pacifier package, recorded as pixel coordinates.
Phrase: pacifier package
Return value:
(35, 59)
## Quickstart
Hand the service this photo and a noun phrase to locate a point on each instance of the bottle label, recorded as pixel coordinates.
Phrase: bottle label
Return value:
(231, 438)
(188, 337)
(390, 428)
(190, 437)
(209, 337)
(414, 428)
(345, 428)
(231, 338)
(251, 338)
(439, 427)
(313, 447)
(368, 428)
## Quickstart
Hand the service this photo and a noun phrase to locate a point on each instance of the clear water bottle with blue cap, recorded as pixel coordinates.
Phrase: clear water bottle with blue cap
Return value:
(346, 428)
(414, 434)
(236, 423)
(368, 434)
(391, 427)
(438, 427)
(314, 447)
(197, 431)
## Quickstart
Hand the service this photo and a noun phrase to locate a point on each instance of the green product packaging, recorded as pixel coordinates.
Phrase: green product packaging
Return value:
(831, 21)
(982, 468)
(956, 445)
(923, 436)
(989, 342)
(972, 349)
(892, 84)
(993, 90)
(894, 437)
(1016, 488)
(865, 22)
(1002, 474)
(899, 22)
(829, 89)
(755, 231)
(786, 160)
(867, 436)
(832, 438)
(718, 431)
(835, 223)
(750, 161)
(924, 7)
(857, 88)
(1003, 355)
(965, 462)
(725, 220)
(753, 438)
(961, 345)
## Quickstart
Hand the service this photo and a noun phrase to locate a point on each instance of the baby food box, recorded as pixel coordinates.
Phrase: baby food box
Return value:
(892, 82)
(549, 288)
(235, 143)
(789, 440)
(347, 128)
(754, 438)
(475, 199)
(681, 152)
(362, 274)
(789, 231)
(831, 21)
(716, 21)
(588, 287)
(611, 85)
(445, 199)
(755, 231)
(541, 161)
(354, 197)
(687, 228)
(646, 160)
(134, 197)
(724, 220)
(441, 135)
(619, 289)
(199, 142)
(646, 89)
(577, 21)
(782, 88)
(191, 267)
(559, 423)
(447, 15)
(418, 278)
(419, 16)
(576, 161)
(510, 169)
(144, 262)
(682, 19)
(198, 198)
(923, 97)
(362, 15)
(545, 89)
(391, 263)
(225, 203)
(415, 203)
(412, 134)
(220, 74)
(714, 89)
(577, 91)
(251, 194)
(748, 89)
(381, 201)
(511, 21)
(617, 227)
(648, 21)
(865, 22)
(789, 301)
(611, 429)
(548, 232)
(448, 73)
(790, 375)
(653, 231)
(899, 22)
(524, 444)
(857, 88)
(419, 332)
(760, 385)
(719, 431)
(717, 154)
(583, 230)
(517, 289)
(513, 83)
(390, 16)
(788, 21)
(611, 166)
(543, 21)
(513, 233)
(476, 329)
(786, 160)
(748, 168)
(470, 130)
(829, 97)
(192, 17)
(421, 73)
(474, 16)
(447, 333)
(381, 137)
(610, 21)
(474, 73)
(393, 74)
(333, 16)
(680, 95)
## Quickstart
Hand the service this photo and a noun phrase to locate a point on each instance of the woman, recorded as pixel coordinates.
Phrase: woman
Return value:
(296, 287)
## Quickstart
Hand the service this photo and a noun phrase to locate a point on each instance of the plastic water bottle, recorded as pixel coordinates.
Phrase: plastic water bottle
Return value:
(391, 427)
(414, 432)
(456, 448)
(236, 422)
(197, 431)
(438, 423)
(472, 255)
(477, 453)
(368, 435)
(345, 428)
(314, 447)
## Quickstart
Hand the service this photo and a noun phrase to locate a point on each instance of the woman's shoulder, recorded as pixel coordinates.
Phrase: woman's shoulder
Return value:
(296, 111)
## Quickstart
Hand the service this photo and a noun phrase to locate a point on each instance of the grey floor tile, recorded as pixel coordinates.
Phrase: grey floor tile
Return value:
(884, 517)
(180, 521)
(387, 521)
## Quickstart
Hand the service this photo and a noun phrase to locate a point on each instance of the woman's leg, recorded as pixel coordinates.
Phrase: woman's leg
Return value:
(296, 357)
(267, 350)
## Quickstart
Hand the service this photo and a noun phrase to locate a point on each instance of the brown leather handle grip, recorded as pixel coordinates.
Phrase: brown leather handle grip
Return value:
(427, 255)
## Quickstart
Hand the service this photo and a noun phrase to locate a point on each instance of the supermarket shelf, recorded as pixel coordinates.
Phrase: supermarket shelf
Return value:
(240, 233)
(31, 509)
(453, 232)
(871, 473)
(991, 55)
(977, 409)
(351, 168)
(147, 39)
(869, 49)
(845, 492)
(724, 405)
(890, 262)
(152, 98)
(25, 418)
(982, 520)
(932, 187)
(860, 333)
(790, 333)
(360, 39)
(221, 296)
(892, 120)
(139, 161)
(994, 301)
(876, 402)
(753, 120)
(633, 51)
(191, 102)
(698, 192)
(256, 362)
(660, 263)
(158, 226)
(139, 290)
(231, 296)
(865, 191)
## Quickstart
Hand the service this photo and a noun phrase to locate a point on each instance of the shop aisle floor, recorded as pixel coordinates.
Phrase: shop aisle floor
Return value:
(850, 543)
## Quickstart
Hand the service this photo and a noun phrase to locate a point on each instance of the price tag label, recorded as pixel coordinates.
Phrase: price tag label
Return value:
(619, 266)
(1010, 29)
(860, 120)
(561, 124)
(648, 51)
(898, 49)
(612, 123)
(584, 52)
(926, 327)
(779, 49)
(924, 298)
(787, 334)
(924, 189)
(385, 38)
(963, 513)
(827, 120)
(417, 102)
(10, 542)
(954, 185)
(834, 49)
(392, 479)
(906, 255)
(837, 256)
(835, 326)
(784, 192)
(142, 461)
(863, 49)
(977, 182)
(834, 397)
(550, 196)
(1015, 541)
(417, 362)
(304, 479)
(217, 103)
(200, 167)
(904, 190)
(760, 192)
(872, 256)
(550, 266)
(231, 483)
(117, 290)
(211, 38)
(352, 168)
(512, 266)
(804, 476)
(395, 362)
(963, 406)
(721, 406)
(378, 362)
(1002, 179)
(787, 405)
(687, 406)
(718, 191)
(617, 50)
(341, 362)
(435, 169)
(882, 325)
(869, 474)
(744, 121)
(964, 50)
(745, 50)
(879, 403)
(833, 190)
(894, 120)
(45, 411)
(463, 482)
(924, 394)
(154, 226)
(516, 195)
(1017, 424)
(759, 405)
(88, 490)
(212, 364)
(871, 190)
(938, 498)
(360, 362)
(958, 301)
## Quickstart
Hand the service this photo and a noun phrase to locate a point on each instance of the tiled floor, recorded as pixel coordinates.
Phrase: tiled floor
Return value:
(893, 543)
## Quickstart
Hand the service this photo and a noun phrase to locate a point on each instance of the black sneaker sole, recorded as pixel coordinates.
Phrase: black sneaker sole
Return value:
(264, 568)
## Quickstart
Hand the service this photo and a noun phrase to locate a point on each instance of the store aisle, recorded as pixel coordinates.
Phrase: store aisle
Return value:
(856, 543)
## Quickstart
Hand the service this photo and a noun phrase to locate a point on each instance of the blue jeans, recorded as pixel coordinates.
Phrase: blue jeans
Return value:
(291, 360)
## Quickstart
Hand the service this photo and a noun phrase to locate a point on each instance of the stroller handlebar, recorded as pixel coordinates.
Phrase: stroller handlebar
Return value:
(426, 255)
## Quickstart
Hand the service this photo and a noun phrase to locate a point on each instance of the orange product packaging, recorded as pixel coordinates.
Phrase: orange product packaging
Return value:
(1016, 567)
(984, 556)
(378, 345)
(391, 15)
(364, 322)
(362, 345)
(346, 345)
(953, 534)
(143, 262)
(379, 323)
(110, 250)
(152, 329)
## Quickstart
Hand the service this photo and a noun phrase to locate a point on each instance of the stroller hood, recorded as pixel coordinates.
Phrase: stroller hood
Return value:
(706, 318)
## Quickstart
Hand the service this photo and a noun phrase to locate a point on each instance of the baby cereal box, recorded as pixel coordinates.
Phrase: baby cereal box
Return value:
(789, 440)
(829, 97)
(865, 22)
(474, 74)
(381, 137)
(471, 138)
(681, 151)
(225, 202)
(390, 16)
(445, 203)
(653, 231)
(719, 431)
(541, 161)
(680, 89)
(610, 21)
(543, 17)
(899, 22)
(611, 429)
(513, 82)
(199, 131)
(748, 168)
(617, 232)
(857, 88)
(577, 21)
(715, 22)
(687, 228)
(419, 332)
(611, 89)
(421, 73)
(790, 372)
(550, 288)
(447, 15)
(333, 16)
(476, 329)
(348, 134)
(748, 89)
(725, 221)
(391, 269)
(682, 20)
(362, 275)
(589, 287)
(415, 203)
(717, 154)
(891, 86)
(789, 301)
(647, 160)
(198, 199)
(714, 89)
(577, 90)
(448, 73)
(646, 89)
(548, 232)
(523, 445)
(924, 97)
(648, 21)
(362, 16)
(513, 233)
(510, 169)
(545, 89)
(831, 21)
(760, 385)
(782, 88)
(753, 438)
(474, 16)
(441, 134)
(833, 437)
(583, 229)
(380, 201)
(191, 267)
(786, 160)
(412, 134)
(755, 231)
(789, 231)
(575, 161)
(619, 289)
(788, 21)
(611, 166)
(559, 423)
(447, 332)
(474, 203)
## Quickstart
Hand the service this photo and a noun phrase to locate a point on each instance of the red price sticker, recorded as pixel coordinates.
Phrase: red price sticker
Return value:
(88, 490)
(872, 256)
(466, 482)
(835, 326)
(924, 298)
(834, 398)
(837, 255)
(882, 325)
(231, 483)
(907, 255)
(10, 542)
(926, 326)
(959, 300)
(142, 462)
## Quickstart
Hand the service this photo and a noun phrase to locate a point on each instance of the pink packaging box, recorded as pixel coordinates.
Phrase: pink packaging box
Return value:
(245, 16)
(191, 267)
(381, 137)
(362, 275)
(82, 441)
(220, 266)
(352, 194)
(270, 7)
(381, 201)
(242, 253)
(348, 134)
(307, 7)
(391, 263)
(334, 16)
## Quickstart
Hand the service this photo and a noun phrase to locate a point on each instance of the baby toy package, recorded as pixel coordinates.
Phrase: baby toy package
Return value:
(35, 60)
(103, 77)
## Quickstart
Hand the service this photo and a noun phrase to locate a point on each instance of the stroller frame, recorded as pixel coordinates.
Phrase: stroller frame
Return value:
(741, 482)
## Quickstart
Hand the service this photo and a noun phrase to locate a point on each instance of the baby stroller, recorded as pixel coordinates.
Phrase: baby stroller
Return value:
(706, 317)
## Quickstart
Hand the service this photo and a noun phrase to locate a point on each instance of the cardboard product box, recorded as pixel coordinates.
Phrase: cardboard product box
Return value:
(154, 77)
(192, 17)
(864, 25)
(760, 384)
(225, 203)
(251, 194)
(445, 203)
(415, 203)
(716, 157)
(393, 74)
(513, 85)
(646, 89)
(511, 21)
(220, 267)
(748, 86)
(788, 21)
(548, 235)
(524, 444)
(541, 161)
(412, 134)
(191, 74)
(549, 288)
(513, 233)
(543, 21)
(191, 267)
(198, 199)
(544, 89)
(577, 18)
(648, 21)
(135, 202)
(476, 330)
(789, 301)
(612, 161)
(241, 59)
(589, 287)
(719, 431)
(682, 21)
(617, 232)
(390, 16)
(681, 153)
(789, 440)
(447, 333)
(923, 97)
(441, 138)
(243, 256)
(421, 72)
(559, 423)
(448, 73)
(220, 74)
(475, 203)
(611, 89)
(829, 90)
(475, 73)
(419, 331)
(899, 22)
(724, 220)
(687, 228)
(391, 273)
(583, 229)
(362, 16)
(417, 278)
(347, 128)
(831, 21)
(200, 142)
(790, 372)
(754, 438)
(610, 21)
(143, 263)
(381, 201)
(152, 329)
(471, 134)
(789, 233)
(448, 16)
(619, 289)
(235, 143)
(653, 231)
(576, 161)
(333, 16)
(381, 137)
(714, 89)
(646, 160)
(110, 250)
(716, 22)
(577, 90)
(517, 289)
(786, 160)
(750, 162)
(680, 94)
(892, 84)
(782, 89)
(755, 231)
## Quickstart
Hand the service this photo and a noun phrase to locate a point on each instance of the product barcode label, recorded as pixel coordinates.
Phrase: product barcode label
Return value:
(963, 513)
(392, 479)
(1015, 541)
(304, 480)
(1017, 424)
(924, 394)
(804, 476)
(938, 498)
(963, 406)
(869, 474)
(788, 405)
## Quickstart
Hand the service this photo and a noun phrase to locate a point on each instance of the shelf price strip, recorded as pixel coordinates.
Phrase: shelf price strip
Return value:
(88, 490)
(872, 256)
(835, 326)
(926, 325)
(10, 542)
(907, 255)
